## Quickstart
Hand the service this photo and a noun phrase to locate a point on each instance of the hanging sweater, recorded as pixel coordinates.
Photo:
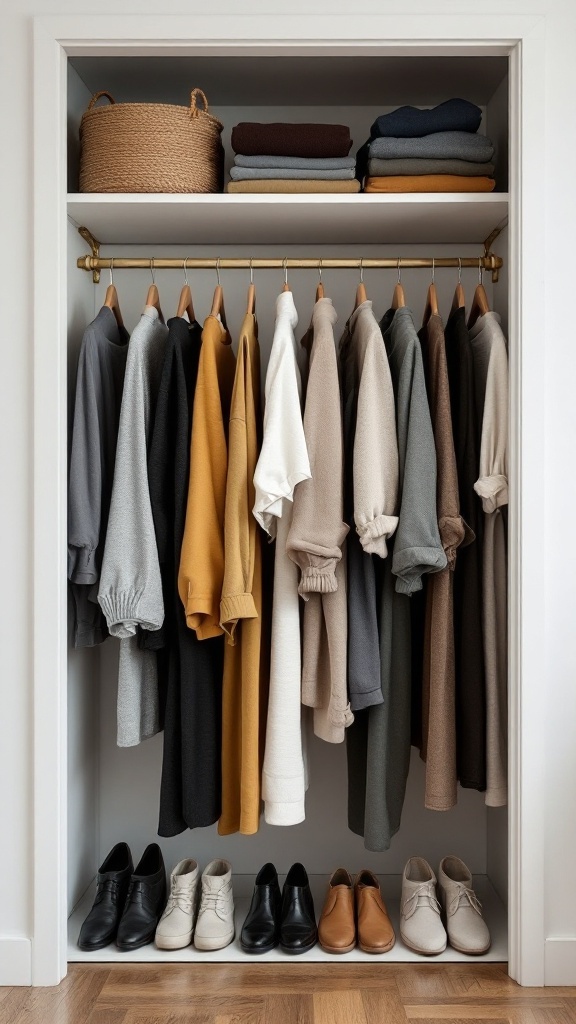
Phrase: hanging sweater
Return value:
(317, 535)
(202, 560)
(282, 465)
(130, 593)
(245, 684)
(379, 741)
(99, 385)
(491, 377)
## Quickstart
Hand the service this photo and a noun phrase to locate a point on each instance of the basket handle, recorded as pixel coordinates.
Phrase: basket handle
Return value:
(194, 110)
(97, 96)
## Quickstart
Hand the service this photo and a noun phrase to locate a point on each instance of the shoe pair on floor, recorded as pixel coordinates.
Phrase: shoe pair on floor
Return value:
(275, 918)
(128, 902)
(199, 907)
(421, 925)
(355, 912)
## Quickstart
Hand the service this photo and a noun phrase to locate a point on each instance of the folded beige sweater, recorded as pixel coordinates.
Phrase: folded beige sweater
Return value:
(293, 185)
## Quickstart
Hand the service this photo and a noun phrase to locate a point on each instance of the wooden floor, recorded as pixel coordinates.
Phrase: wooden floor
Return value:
(287, 994)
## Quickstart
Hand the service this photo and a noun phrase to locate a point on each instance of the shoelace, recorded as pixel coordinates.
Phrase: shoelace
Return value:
(470, 899)
(425, 892)
(111, 886)
(181, 898)
(214, 900)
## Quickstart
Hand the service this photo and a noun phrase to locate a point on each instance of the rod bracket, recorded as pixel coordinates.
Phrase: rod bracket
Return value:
(489, 255)
(85, 262)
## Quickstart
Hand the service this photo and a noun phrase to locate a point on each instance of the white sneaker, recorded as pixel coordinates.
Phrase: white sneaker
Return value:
(421, 925)
(215, 924)
(176, 926)
(467, 930)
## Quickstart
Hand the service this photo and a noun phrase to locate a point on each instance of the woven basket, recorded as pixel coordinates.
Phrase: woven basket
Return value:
(150, 147)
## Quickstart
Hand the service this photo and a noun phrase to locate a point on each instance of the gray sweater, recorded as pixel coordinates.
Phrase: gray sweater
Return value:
(379, 740)
(440, 146)
(99, 384)
(130, 591)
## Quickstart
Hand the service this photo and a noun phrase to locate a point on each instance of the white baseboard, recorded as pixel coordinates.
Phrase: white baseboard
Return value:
(560, 961)
(15, 961)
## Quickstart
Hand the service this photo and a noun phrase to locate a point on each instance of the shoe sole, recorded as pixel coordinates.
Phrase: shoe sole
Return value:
(211, 945)
(470, 952)
(125, 947)
(177, 942)
(338, 949)
(259, 951)
(300, 950)
(377, 949)
(94, 949)
(423, 952)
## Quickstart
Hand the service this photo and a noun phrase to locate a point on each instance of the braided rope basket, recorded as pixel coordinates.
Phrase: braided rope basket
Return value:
(150, 147)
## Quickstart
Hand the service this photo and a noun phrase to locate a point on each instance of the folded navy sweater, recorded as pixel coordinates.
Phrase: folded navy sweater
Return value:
(410, 122)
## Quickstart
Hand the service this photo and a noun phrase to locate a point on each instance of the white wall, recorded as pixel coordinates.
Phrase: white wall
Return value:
(557, 415)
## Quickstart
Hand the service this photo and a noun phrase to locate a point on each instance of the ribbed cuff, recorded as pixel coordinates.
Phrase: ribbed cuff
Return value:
(315, 580)
(235, 607)
(411, 564)
(124, 614)
(493, 490)
(373, 535)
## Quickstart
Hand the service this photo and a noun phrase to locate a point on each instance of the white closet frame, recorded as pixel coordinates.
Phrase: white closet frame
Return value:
(56, 38)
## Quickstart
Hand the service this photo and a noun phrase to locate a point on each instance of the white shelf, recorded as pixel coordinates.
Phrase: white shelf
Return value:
(441, 218)
(494, 913)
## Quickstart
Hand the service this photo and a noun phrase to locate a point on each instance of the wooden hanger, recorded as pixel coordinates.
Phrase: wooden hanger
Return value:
(459, 300)
(319, 286)
(480, 304)
(153, 296)
(431, 307)
(361, 290)
(398, 300)
(185, 304)
(111, 298)
(251, 300)
(286, 286)
(217, 309)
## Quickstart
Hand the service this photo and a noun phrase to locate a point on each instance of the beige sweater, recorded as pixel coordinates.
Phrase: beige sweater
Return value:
(317, 535)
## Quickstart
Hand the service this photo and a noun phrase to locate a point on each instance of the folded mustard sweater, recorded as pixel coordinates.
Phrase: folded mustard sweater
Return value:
(296, 185)
(430, 183)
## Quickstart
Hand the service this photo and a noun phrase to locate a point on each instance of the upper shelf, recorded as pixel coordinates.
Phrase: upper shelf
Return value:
(288, 219)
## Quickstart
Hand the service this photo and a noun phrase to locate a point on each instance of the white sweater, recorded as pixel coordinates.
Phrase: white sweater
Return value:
(283, 463)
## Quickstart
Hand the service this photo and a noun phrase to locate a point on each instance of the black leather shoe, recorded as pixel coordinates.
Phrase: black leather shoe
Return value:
(145, 901)
(298, 932)
(101, 925)
(261, 929)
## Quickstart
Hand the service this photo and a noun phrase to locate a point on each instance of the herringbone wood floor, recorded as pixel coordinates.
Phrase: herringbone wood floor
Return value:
(291, 994)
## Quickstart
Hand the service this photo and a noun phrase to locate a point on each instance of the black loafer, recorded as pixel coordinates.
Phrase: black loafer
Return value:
(145, 901)
(298, 932)
(261, 929)
(101, 925)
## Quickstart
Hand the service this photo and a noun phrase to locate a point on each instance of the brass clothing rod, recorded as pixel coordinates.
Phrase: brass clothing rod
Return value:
(488, 262)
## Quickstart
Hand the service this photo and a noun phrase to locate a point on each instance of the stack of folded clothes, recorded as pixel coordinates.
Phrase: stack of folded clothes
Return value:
(292, 158)
(436, 150)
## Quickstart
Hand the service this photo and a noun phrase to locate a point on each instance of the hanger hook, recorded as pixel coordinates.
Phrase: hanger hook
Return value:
(398, 269)
(185, 270)
(218, 269)
(251, 272)
(285, 266)
(111, 270)
(459, 271)
(361, 270)
(480, 270)
(320, 270)
(433, 269)
(152, 270)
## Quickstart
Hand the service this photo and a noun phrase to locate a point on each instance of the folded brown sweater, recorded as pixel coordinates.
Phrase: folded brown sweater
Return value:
(310, 140)
(429, 183)
(293, 185)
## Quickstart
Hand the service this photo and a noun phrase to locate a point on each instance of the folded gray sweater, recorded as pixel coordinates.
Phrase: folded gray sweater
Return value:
(440, 146)
(379, 168)
(308, 163)
(292, 173)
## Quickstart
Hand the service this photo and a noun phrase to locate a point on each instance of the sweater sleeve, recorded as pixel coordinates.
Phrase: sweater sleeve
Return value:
(85, 490)
(318, 532)
(417, 548)
(130, 593)
(375, 450)
(492, 485)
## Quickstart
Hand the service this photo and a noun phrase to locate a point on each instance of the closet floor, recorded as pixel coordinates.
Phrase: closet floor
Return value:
(494, 912)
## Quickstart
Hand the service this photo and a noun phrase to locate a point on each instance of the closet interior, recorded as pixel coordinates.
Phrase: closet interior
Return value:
(114, 792)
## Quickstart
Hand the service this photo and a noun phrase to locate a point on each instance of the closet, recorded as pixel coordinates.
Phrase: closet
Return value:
(113, 793)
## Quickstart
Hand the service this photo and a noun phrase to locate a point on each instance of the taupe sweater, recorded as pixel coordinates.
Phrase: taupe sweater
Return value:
(317, 534)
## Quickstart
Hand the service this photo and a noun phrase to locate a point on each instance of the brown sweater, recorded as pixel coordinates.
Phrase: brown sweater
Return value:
(317, 535)
(276, 139)
(438, 704)
(245, 686)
